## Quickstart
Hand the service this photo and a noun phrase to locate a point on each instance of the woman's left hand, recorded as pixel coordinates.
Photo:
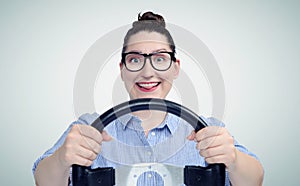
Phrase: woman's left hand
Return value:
(216, 145)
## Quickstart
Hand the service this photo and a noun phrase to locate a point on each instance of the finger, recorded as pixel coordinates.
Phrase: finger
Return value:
(216, 159)
(90, 144)
(210, 142)
(220, 156)
(209, 132)
(86, 153)
(211, 152)
(106, 136)
(82, 161)
(90, 132)
(220, 159)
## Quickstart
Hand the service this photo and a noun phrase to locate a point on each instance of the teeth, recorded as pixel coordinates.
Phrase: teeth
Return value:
(147, 85)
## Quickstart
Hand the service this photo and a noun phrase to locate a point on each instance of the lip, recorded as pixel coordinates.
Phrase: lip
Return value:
(147, 86)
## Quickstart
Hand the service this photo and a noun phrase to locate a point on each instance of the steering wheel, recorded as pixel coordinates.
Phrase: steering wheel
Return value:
(213, 174)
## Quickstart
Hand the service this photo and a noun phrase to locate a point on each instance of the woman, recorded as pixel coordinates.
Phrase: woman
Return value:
(148, 68)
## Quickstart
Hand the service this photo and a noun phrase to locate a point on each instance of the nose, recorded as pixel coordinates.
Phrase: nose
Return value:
(147, 71)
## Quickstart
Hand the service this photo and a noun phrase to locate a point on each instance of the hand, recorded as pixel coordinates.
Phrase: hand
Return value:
(216, 145)
(81, 146)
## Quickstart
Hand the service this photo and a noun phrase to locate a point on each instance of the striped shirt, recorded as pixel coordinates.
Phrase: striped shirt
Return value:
(167, 144)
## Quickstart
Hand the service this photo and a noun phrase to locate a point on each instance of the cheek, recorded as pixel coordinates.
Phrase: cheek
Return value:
(168, 76)
(128, 78)
(167, 82)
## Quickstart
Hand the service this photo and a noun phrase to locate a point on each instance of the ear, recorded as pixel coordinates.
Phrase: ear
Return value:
(121, 69)
(176, 68)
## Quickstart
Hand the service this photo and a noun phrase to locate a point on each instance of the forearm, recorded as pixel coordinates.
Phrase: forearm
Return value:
(51, 172)
(246, 170)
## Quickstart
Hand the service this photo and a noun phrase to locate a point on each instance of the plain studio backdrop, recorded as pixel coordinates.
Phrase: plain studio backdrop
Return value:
(255, 43)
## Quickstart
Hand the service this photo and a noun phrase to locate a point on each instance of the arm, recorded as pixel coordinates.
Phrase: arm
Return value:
(81, 146)
(216, 145)
(51, 172)
(245, 170)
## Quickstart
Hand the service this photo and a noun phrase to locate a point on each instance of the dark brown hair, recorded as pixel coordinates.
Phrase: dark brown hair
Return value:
(150, 22)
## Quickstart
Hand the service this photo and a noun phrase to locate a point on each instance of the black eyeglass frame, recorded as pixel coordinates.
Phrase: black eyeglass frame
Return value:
(172, 55)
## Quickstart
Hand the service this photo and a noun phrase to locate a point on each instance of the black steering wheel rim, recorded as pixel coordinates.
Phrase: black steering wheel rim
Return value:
(149, 104)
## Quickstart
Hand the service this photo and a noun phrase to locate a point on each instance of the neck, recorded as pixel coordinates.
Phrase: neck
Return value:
(150, 118)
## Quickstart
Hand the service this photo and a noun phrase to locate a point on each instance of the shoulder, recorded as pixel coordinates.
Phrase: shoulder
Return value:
(211, 121)
(87, 118)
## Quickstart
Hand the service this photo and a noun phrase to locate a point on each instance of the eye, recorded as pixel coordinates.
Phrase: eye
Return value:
(133, 59)
(161, 58)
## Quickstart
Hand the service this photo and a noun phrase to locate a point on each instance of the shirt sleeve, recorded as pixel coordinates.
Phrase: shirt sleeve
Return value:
(84, 119)
(50, 151)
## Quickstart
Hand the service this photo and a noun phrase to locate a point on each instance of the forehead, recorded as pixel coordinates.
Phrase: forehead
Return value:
(147, 41)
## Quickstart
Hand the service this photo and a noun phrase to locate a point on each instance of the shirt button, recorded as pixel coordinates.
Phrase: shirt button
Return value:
(153, 133)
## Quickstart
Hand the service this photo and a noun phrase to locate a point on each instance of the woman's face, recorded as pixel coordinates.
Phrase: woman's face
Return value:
(148, 82)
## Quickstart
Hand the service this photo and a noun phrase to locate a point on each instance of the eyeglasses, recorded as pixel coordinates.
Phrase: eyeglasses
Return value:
(160, 61)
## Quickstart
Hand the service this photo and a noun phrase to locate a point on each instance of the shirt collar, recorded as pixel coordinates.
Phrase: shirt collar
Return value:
(171, 122)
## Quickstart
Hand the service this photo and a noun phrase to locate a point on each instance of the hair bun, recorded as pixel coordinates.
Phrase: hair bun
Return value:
(151, 18)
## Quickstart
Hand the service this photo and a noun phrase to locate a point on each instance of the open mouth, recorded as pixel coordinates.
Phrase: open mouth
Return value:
(148, 85)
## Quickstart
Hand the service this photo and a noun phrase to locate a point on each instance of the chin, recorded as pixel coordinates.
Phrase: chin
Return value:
(147, 96)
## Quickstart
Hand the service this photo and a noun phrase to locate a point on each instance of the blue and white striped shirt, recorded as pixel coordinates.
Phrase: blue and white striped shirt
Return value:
(166, 144)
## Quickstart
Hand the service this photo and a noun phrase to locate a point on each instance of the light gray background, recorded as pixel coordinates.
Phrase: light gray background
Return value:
(256, 45)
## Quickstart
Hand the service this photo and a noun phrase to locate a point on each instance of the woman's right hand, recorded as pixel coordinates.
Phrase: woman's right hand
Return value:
(81, 146)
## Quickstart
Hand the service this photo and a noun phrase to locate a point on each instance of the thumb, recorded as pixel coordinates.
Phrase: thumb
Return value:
(191, 136)
(105, 136)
